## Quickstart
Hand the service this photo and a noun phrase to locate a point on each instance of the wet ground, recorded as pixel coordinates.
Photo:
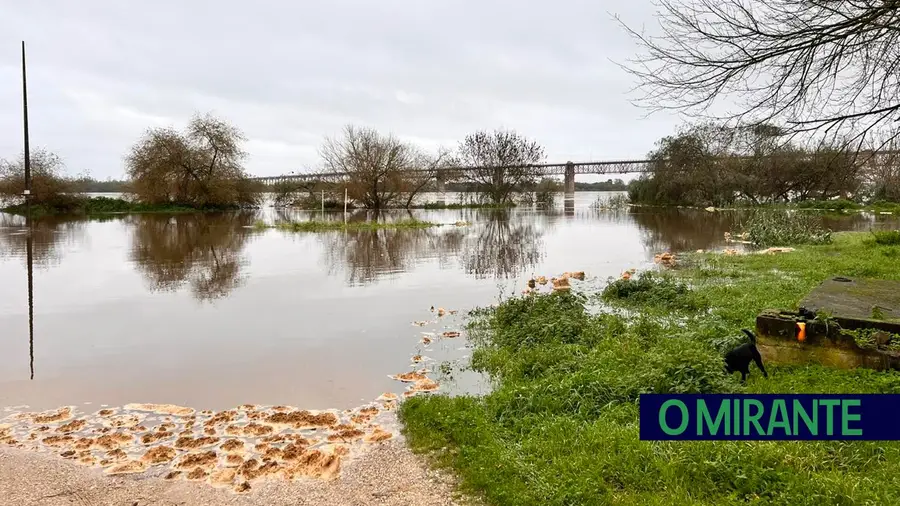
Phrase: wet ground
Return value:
(204, 311)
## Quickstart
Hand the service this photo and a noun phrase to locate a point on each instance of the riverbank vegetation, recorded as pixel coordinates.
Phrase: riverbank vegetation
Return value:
(714, 165)
(561, 425)
(199, 169)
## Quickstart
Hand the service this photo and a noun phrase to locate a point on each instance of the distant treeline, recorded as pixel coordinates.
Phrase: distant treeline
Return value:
(89, 185)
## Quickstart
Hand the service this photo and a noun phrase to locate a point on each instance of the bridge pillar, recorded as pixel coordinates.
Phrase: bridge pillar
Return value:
(570, 179)
(569, 202)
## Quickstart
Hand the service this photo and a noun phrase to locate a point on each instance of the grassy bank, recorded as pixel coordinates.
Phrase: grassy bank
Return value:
(323, 226)
(107, 205)
(561, 426)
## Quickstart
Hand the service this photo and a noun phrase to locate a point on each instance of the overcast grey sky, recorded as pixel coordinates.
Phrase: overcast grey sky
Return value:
(290, 73)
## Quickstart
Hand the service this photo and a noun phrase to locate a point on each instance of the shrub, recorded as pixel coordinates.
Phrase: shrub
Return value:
(653, 290)
(49, 187)
(778, 228)
(886, 237)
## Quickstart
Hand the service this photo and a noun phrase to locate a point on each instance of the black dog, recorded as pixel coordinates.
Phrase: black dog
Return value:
(738, 359)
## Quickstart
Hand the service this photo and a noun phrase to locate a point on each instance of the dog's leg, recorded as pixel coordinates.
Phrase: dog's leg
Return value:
(743, 376)
(758, 360)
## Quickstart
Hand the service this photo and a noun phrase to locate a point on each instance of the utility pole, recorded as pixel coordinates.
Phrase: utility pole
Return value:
(27, 192)
(30, 237)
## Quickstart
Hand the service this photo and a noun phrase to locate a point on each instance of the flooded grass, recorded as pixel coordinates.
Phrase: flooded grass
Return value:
(777, 228)
(561, 426)
(108, 205)
(324, 226)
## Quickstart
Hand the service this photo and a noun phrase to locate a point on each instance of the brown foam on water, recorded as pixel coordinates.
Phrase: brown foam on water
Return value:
(73, 426)
(161, 409)
(53, 416)
(425, 385)
(233, 448)
(189, 443)
(409, 377)
(205, 459)
(122, 421)
(378, 435)
(347, 435)
(159, 455)
(197, 474)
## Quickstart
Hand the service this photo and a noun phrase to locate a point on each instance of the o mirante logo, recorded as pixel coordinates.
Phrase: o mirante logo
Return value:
(769, 417)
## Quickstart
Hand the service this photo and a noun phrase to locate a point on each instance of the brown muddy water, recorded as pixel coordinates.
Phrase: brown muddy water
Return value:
(205, 311)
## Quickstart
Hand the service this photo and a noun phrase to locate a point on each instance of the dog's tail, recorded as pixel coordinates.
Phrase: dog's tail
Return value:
(751, 335)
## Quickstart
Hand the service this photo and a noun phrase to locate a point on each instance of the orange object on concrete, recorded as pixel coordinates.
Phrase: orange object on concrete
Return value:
(801, 331)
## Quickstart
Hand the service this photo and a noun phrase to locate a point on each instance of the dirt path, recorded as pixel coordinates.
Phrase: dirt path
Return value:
(387, 474)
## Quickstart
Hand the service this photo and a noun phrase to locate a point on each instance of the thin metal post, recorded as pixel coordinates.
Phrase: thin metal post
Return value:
(345, 206)
(323, 204)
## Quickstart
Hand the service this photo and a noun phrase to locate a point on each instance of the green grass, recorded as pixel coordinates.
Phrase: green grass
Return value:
(323, 226)
(561, 425)
(106, 205)
(886, 237)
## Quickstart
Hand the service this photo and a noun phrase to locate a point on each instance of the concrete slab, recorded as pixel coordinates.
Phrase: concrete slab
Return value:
(858, 326)
(858, 299)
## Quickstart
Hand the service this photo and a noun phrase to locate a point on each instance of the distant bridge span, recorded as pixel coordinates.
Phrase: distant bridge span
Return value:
(568, 169)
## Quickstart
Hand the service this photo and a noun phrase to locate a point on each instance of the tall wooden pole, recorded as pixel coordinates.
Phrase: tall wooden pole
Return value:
(25, 124)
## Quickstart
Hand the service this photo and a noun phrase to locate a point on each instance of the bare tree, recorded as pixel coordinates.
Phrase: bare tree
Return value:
(201, 167)
(428, 166)
(824, 66)
(381, 170)
(504, 158)
(882, 173)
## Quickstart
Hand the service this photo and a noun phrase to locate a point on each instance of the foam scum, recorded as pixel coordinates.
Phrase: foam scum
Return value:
(236, 448)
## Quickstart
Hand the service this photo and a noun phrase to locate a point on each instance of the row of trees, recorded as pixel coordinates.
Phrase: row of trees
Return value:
(711, 164)
(203, 167)
(384, 171)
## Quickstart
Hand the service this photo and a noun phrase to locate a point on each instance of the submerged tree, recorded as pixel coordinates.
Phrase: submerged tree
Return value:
(49, 184)
(505, 160)
(380, 170)
(201, 167)
(812, 65)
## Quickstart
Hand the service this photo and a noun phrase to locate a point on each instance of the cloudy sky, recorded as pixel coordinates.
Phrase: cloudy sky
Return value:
(290, 73)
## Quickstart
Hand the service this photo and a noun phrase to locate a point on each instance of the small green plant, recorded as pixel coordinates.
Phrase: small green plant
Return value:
(877, 313)
(779, 228)
(886, 237)
(654, 290)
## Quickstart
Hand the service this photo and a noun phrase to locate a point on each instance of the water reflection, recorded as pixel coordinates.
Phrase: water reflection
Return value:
(505, 243)
(202, 251)
(50, 237)
(683, 229)
(497, 244)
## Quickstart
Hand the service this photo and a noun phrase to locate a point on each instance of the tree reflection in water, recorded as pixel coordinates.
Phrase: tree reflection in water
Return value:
(505, 243)
(201, 250)
(496, 245)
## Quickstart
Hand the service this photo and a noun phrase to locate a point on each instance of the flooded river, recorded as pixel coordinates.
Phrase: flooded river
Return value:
(206, 311)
